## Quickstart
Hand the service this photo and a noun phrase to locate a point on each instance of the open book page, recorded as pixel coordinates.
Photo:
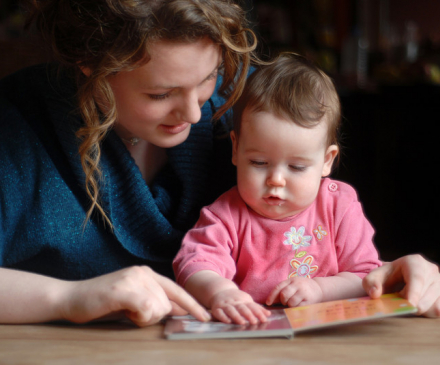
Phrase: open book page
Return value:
(286, 322)
(187, 327)
(346, 311)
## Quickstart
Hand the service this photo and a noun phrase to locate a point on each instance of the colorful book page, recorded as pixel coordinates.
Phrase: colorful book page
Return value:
(346, 311)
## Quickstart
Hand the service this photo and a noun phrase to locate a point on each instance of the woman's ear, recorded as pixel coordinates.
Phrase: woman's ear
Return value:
(329, 158)
(234, 147)
(86, 71)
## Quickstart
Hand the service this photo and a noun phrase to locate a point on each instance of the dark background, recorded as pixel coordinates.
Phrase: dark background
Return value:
(384, 56)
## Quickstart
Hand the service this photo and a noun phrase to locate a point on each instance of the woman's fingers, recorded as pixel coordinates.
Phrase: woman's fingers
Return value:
(180, 300)
(374, 281)
(143, 295)
(416, 278)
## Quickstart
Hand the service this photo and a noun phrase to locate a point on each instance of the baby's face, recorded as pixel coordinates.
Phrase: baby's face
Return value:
(280, 164)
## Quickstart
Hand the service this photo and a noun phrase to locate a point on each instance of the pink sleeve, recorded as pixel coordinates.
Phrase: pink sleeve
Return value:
(207, 246)
(354, 242)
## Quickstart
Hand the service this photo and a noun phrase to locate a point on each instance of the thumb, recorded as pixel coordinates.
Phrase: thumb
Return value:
(374, 282)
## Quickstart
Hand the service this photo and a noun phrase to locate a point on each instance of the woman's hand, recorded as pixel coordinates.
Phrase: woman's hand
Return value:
(143, 295)
(414, 277)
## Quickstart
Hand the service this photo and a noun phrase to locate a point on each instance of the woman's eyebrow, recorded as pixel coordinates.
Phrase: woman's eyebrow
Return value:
(165, 87)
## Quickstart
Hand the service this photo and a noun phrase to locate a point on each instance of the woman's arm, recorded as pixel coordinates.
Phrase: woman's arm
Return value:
(143, 295)
(416, 278)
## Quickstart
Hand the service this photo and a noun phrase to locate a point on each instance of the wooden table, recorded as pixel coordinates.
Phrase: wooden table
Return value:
(388, 341)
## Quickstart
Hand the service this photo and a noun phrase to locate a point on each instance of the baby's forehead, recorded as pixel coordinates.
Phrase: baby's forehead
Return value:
(250, 114)
(265, 123)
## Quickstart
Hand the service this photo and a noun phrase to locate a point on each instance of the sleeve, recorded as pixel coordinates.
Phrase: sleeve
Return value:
(354, 242)
(207, 246)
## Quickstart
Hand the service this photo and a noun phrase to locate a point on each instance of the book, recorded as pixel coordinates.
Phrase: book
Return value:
(286, 322)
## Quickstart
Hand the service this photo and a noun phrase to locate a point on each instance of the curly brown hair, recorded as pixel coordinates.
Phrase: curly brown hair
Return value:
(109, 36)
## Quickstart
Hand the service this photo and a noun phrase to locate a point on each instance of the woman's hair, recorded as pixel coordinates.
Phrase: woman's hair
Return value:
(108, 36)
(292, 87)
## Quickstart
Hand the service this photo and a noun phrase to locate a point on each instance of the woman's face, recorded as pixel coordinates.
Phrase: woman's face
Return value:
(159, 101)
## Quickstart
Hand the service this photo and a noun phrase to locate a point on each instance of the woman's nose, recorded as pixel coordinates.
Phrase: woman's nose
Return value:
(189, 110)
(276, 178)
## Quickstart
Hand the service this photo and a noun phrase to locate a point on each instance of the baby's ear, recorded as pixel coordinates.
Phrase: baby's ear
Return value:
(329, 158)
(234, 147)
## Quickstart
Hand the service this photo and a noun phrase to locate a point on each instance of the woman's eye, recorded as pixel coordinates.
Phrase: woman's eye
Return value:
(212, 76)
(158, 96)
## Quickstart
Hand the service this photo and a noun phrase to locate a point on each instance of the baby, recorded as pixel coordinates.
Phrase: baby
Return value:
(286, 233)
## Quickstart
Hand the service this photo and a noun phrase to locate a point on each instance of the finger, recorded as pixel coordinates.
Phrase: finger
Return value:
(177, 310)
(294, 300)
(373, 283)
(182, 299)
(429, 304)
(434, 310)
(219, 314)
(143, 318)
(259, 311)
(419, 274)
(146, 309)
(234, 314)
(288, 294)
(274, 296)
(247, 313)
(415, 286)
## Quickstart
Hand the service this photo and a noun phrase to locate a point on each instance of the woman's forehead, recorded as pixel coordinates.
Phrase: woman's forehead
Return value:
(178, 64)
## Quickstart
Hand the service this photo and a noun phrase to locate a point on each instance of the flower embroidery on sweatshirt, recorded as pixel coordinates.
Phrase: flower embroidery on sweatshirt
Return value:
(304, 268)
(319, 233)
(297, 238)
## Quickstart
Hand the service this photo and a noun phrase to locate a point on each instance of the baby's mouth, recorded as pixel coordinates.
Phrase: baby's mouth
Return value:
(274, 200)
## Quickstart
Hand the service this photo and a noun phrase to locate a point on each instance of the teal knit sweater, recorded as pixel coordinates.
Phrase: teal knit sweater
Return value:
(42, 195)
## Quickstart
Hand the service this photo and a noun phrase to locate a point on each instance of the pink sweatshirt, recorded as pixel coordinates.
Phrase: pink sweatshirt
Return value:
(330, 236)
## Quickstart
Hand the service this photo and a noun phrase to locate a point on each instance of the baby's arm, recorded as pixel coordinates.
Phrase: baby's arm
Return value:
(298, 291)
(227, 302)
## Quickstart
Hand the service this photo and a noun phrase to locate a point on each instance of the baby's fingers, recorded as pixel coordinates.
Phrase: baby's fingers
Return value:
(274, 296)
(228, 314)
(242, 313)
(259, 312)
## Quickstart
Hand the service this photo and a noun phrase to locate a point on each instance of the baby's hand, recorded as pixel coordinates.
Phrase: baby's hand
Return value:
(296, 291)
(234, 305)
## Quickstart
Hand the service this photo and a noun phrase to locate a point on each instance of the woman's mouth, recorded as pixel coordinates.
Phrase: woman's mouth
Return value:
(174, 129)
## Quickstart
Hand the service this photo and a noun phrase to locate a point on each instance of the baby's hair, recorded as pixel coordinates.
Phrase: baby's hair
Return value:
(293, 88)
(105, 37)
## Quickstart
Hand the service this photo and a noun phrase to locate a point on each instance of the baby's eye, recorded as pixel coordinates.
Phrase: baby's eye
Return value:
(257, 163)
(158, 96)
(297, 167)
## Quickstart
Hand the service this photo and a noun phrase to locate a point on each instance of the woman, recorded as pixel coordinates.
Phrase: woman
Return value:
(107, 160)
